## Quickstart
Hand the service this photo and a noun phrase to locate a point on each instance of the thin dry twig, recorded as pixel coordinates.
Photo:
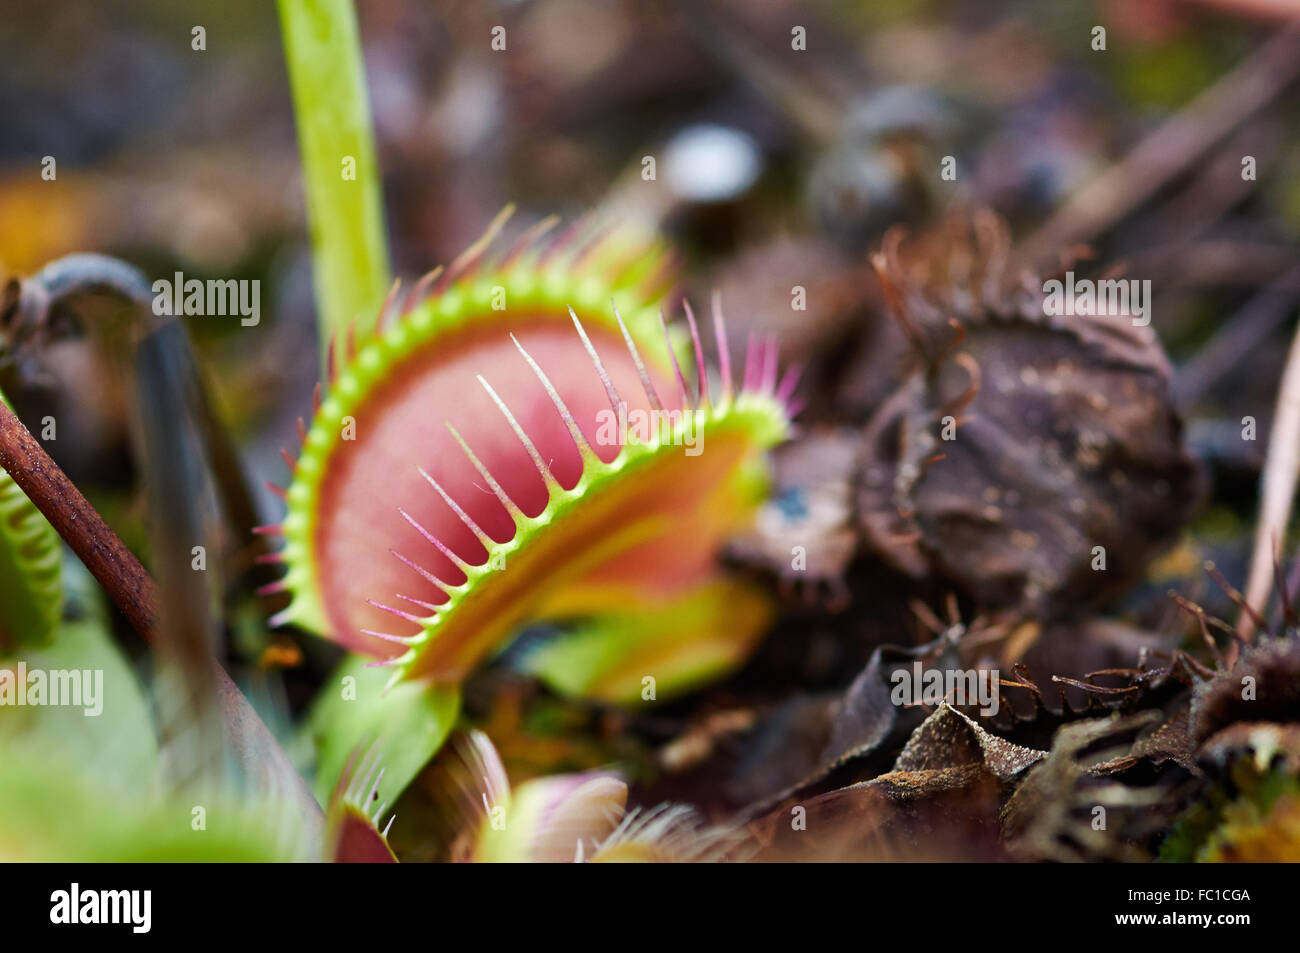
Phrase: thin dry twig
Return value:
(1281, 470)
(109, 561)
(1240, 334)
(1175, 146)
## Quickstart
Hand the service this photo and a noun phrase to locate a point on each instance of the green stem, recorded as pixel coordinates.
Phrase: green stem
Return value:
(322, 50)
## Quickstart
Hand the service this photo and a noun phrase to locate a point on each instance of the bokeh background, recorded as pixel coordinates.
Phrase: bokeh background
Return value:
(775, 167)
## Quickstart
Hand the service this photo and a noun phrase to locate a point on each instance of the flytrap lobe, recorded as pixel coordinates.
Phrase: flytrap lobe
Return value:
(581, 817)
(520, 444)
(355, 812)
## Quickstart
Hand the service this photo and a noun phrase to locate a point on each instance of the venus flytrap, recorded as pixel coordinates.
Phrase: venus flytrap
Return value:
(569, 817)
(451, 487)
(353, 712)
(356, 811)
(544, 820)
(379, 454)
(620, 537)
(658, 653)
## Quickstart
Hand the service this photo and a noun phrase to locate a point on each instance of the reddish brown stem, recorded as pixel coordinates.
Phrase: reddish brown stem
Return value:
(114, 566)
(132, 590)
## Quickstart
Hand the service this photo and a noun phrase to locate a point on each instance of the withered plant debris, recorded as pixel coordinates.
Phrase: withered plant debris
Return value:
(804, 533)
(1074, 806)
(1019, 444)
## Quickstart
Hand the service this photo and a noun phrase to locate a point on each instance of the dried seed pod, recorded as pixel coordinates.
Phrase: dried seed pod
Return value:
(1035, 460)
(1244, 727)
(1263, 687)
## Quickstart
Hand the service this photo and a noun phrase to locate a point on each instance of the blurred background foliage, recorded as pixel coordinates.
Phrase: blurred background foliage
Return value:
(184, 160)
